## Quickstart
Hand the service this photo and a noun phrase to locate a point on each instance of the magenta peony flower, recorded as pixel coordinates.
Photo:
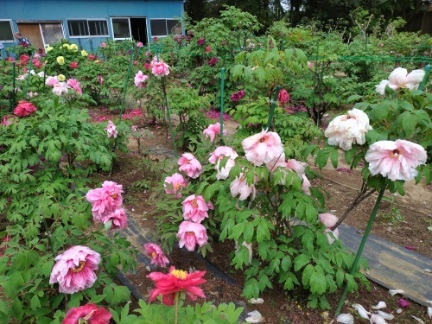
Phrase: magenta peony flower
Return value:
(195, 208)
(174, 184)
(190, 165)
(329, 220)
(218, 155)
(74, 269)
(262, 147)
(395, 160)
(190, 234)
(100, 79)
(156, 255)
(283, 96)
(212, 130)
(348, 129)
(213, 61)
(200, 41)
(89, 314)
(240, 186)
(111, 129)
(118, 219)
(24, 108)
(159, 68)
(140, 79)
(400, 78)
(105, 200)
(139, 44)
(74, 84)
(73, 65)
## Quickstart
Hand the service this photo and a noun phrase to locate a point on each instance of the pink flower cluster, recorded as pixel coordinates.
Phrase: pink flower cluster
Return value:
(159, 68)
(174, 184)
(283, 96)
(237, 95)
(195, 208)
(75, 269)
(218, 155)
(61, 87)
(239, 186)
(8, 120)
(190, 165)
(90, 314)
(329, 220)
(262, 147)
(106, 203)
(212, 130)
(24, 108)
(156, 255)
(111, 129)
(140, 79)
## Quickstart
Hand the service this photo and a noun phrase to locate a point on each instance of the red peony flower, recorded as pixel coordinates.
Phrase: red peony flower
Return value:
(89, 313)
(24, 108)
(73, 65)
(284, 96)
(176, 281)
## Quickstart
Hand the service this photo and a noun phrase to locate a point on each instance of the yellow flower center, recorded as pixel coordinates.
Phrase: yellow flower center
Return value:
(177, 186)
(113, 196)
(79, 267)
(194, 204)
(180, 274)
(153, 255)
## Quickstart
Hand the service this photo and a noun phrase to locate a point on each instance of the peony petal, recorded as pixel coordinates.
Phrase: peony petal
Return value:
(418, 319)
(345, 318)
(403, 303)
(254, 317)
(377, 319)
(429, 312)
(256, 301)
(396, 291)
(385, 315)
(380, 305)
(362, 312)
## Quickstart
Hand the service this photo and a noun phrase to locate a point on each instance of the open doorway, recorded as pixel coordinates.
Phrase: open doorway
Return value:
(139, 29)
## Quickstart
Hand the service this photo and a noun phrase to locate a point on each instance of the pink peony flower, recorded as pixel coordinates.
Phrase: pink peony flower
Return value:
(310, 65)
(348, 129)
(60, 88)
(24, 108)
(140, 79)
(395, 160)
(190, 165)
(300, 167)
(195, 208)
(8, 120)
(51, 81)
(73, 65)
(240, 186)
(329, 220)
(208, 49)
(400, 78)
(139, 44)
(36, 63)
(74, 84)
(283, 96)
(118, 219)
(156, 255)
(74, 269)
(190, 234)
(111, 129)
(105, 200)
(89, 314)
(213, 61)
(262, 147)
(100, 79)
(174, 184)
(212, 130)
(218, 155)
(103, 45)
(159, 68)
(200, 41)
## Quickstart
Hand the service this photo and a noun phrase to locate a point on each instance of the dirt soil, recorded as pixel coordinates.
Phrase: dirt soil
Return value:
(404, 221)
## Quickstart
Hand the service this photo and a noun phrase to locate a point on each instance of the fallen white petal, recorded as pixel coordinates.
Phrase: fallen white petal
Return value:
(385, 315)
(380, 305)
(418, 319)
(376, 319)
(345, 318)
(256, 301)
(399, 310)
(396, 291)
(362, 312)
(430, 312)
(428, 270)
(254, 317)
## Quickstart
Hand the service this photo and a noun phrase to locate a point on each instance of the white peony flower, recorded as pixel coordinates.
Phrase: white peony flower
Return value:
(400, 78)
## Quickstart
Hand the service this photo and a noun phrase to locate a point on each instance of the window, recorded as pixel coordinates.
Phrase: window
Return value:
(92, 27)
(121, 28)
(164, 27)
(6, 34)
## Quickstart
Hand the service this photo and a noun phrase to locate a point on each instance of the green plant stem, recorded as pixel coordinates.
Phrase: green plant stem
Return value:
(362, 244)
(169, 116)
(176, 302)
(221, 119)
(273, 106)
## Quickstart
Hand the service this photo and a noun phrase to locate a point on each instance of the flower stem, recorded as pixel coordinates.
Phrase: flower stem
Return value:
(176, 302)
(362, 244)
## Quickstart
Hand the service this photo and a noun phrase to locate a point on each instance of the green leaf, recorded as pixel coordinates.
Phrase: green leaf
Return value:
(120, 294)
(35, 302)
(307, 273)
(318, 283)
(300, 261)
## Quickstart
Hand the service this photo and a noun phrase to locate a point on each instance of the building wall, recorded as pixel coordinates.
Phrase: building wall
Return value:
(25, 11)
